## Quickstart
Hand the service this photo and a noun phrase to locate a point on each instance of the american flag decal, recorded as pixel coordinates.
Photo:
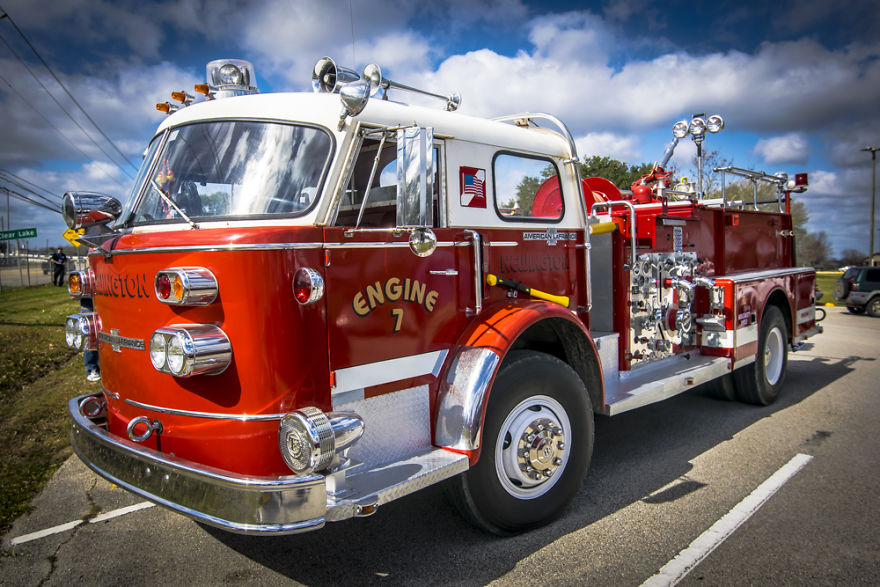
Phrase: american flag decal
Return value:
(473, 187)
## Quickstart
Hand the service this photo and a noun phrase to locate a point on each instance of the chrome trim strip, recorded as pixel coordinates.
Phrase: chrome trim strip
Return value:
(503, 244)
(462, 396)
(280, 247)
(214, 248)
(389, 371)
(236, 503)
(385, 245)
(752, 275)
(207, 415)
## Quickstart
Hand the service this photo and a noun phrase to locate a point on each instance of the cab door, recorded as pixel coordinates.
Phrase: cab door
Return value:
(398, 288)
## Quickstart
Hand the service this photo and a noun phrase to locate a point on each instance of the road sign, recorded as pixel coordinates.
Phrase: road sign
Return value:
(8, 235)
(72, 235)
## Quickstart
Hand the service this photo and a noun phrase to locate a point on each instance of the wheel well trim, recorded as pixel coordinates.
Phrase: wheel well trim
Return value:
(476, 359)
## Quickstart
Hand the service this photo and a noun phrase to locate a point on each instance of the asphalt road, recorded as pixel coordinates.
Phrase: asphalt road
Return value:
(661, 476)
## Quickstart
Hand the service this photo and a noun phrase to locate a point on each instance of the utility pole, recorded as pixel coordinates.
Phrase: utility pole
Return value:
(873, 151)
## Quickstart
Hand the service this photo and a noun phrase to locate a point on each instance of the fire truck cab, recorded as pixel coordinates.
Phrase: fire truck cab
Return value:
(313, 304)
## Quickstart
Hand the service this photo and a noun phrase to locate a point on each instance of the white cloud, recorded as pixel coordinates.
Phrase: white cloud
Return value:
(624, 148)
(788, 148)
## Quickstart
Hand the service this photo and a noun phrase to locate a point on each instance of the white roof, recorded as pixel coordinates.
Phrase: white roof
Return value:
(324, 110)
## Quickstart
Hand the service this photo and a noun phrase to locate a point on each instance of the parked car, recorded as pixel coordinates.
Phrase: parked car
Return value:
(859, 289)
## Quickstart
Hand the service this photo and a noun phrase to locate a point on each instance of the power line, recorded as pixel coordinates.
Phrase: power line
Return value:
(54, 99)
(30, 183)
(27, 189)
(21, 196)
(66, 91)
(63, 136)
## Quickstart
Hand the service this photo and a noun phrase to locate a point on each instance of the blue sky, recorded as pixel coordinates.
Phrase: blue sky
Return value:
(797, 81)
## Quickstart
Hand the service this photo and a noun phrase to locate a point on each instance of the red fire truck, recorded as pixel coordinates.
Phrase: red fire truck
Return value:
(313, 304)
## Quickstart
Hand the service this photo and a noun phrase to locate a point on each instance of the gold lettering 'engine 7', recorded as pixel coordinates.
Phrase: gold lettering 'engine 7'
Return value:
(393, 290)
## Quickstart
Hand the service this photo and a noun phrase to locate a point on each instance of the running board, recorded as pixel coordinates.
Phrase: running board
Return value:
(649, 384)
(356, 491)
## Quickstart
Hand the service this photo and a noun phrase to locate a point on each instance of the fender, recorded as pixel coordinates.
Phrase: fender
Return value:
(475, 360)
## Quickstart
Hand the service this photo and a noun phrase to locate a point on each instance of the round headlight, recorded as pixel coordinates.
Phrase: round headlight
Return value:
(70, 332)
(158, 350)
(697, 127)
(176, 355)
(230, 75)
(680, 129)
(715, 123)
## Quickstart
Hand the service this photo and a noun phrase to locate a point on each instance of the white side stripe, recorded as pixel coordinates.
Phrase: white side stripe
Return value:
(370, 374)
(676, 569)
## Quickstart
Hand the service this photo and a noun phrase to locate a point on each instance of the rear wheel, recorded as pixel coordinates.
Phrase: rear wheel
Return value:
(536, 448)
(760, 382)
(874, 307)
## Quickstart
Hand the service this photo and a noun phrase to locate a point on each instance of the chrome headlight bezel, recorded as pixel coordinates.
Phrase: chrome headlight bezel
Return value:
(200, 349)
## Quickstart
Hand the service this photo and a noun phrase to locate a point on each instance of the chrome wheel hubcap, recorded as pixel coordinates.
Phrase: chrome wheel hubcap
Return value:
(533, 447)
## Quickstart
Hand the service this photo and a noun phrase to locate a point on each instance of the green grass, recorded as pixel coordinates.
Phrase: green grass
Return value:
(38, 375)
(825, 280)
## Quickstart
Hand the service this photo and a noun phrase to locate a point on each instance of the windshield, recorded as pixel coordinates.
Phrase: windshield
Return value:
(233, 169)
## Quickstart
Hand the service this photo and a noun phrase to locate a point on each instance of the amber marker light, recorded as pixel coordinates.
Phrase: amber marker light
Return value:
(80, 283)
(202, 89)
(164, 107)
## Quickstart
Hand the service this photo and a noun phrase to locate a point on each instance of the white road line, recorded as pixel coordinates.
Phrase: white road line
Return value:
(71, 525)
(686, 560)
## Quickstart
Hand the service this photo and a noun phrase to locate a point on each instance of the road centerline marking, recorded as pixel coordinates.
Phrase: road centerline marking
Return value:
(688, 559)
(71, 525)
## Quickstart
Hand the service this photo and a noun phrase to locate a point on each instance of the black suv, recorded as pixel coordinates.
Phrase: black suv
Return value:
(859, 289)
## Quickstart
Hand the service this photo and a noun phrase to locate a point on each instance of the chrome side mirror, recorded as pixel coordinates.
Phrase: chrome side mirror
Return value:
(82, 209)
(422, 241)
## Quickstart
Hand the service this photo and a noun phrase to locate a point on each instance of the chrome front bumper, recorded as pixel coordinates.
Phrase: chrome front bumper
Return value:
(247, 505)
(254, 505)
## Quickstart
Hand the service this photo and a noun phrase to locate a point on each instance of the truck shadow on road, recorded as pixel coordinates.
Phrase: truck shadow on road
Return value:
(421, 539)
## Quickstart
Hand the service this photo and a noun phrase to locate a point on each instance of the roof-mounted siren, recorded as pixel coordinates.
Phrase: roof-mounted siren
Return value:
(328, 78)
(355, 90)
(228, 78)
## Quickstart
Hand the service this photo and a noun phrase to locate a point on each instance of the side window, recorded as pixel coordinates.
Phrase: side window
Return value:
(380, 210)
(873, 275)
(526, 188)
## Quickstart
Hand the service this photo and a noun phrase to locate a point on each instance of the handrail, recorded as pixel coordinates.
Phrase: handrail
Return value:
(632, 214)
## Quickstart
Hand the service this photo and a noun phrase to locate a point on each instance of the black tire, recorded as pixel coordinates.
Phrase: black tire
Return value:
(760, 382)
(722, 388)
(874, 307)
(856, 309)
(541, 401)
(841, 289)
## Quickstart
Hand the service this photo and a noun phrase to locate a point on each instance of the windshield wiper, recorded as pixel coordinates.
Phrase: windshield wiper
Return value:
(172, 204)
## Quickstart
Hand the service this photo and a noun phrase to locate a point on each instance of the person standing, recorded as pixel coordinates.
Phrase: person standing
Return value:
(90, 356)
(59, 260)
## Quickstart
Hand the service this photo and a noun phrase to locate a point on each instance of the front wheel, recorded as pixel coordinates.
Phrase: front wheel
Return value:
(874, 307)
(760, 382)
(537, 444)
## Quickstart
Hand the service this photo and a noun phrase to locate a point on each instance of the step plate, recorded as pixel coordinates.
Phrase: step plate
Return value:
(367, 489)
